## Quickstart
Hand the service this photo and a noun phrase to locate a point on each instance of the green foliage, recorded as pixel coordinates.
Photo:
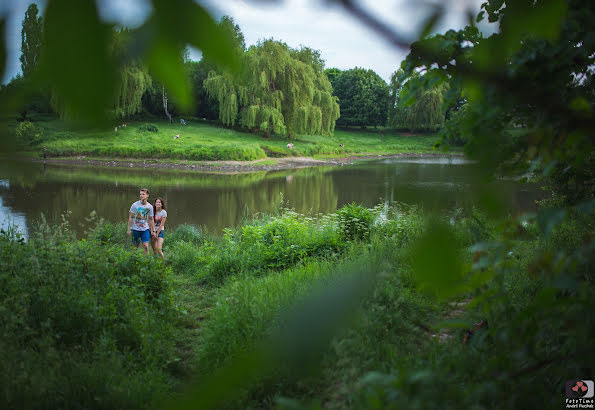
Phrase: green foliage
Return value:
(31, 40)
(200, 141)
(332, 74)
(453, 132)
(281, 90)
(77, 49)
(146, 127)
(134, 79)
(85, 311)
(550, 108)
(28, 134)
(273, 243)
(437, 261)
(363, 98)
(416, 104)
(186, 233)
(355, 222)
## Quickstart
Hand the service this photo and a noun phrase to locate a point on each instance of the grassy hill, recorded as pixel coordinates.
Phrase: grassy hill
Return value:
(201, 140)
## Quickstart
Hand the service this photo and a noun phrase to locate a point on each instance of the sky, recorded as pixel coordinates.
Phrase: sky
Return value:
(344, 42)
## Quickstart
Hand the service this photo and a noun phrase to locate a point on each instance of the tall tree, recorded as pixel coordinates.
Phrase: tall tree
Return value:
(198, 72)
(133, 78)
(363, 97)
(332, 74)
(534, 76)
(281, 90)
(416, 102)
(31, 40)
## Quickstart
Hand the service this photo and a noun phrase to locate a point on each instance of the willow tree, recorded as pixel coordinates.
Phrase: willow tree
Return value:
(282, 91)
(132, 80)
(416, 102)
(133, 77)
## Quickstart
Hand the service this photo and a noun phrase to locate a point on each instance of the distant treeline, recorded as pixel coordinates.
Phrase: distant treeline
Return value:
(279, 90)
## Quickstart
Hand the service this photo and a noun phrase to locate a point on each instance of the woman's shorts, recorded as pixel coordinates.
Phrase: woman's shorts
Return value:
(162, 234)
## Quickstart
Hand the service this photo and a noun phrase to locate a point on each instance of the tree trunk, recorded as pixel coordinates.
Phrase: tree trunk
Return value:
(164, 96)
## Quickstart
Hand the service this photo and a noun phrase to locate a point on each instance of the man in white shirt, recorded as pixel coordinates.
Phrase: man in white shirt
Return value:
(140, 221)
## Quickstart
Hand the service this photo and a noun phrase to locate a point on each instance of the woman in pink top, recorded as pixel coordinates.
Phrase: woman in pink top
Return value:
(160, 215)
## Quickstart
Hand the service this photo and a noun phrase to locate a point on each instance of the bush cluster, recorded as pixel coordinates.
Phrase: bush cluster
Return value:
(28, 134)
(148, 128)
(82, 321)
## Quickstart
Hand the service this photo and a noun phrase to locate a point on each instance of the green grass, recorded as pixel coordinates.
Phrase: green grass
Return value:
(200, 140)
(132, 331)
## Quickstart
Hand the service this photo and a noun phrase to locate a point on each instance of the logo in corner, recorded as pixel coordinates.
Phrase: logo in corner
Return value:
(580, 389)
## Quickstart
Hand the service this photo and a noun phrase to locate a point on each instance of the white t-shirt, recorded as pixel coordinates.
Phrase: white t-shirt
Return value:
(158, 218)
(141, 214)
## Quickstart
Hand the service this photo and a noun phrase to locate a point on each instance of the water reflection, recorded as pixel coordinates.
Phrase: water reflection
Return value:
(218, 201)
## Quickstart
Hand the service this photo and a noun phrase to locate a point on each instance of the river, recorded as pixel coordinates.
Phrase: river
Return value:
(216, 201)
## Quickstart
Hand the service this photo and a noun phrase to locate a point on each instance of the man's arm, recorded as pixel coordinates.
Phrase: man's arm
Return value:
(129, 223)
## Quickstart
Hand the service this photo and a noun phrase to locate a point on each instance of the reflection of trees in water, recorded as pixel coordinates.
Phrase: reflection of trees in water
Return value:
(314, 194)
(54, 199)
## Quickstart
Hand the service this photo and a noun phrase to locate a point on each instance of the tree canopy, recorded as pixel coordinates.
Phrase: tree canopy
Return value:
(31, 40)
(332, 74)
(415, 103)
(133, 78)
(363, 97)
(281, 90)
(529, 87)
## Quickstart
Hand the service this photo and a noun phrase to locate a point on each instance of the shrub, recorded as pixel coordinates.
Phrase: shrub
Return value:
(355, 222)
(148, 128)
(76, 310)
(108, 233)
(186, 233)
(273, 243)
(28, 134)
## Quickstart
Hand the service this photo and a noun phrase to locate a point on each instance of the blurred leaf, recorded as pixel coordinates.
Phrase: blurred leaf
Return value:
(565, 282)
(75, 60)
(166, 64)
(431, 21)
(550, 167)
(541, 19)
(548, 218)
(484, 246)
(480, 278)
(189, 23)
(586, 206)
(491, 200)
(437, 261)
(173, 25)
(296, 347)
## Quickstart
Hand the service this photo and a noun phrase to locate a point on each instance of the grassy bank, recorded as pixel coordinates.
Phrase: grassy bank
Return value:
(93, 323)
(199, 140)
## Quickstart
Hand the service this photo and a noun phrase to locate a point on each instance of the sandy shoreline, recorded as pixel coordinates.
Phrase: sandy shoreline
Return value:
(227, 166)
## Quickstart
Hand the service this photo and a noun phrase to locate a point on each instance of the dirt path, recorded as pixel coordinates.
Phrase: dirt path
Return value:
(227, 166)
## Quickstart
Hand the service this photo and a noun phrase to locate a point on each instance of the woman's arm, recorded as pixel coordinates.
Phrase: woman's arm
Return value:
(162, 224)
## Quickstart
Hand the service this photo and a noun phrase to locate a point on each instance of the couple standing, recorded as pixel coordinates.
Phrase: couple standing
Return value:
(146, 222)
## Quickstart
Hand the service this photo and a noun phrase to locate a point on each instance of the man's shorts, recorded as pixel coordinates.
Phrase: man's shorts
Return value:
(144, 236)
